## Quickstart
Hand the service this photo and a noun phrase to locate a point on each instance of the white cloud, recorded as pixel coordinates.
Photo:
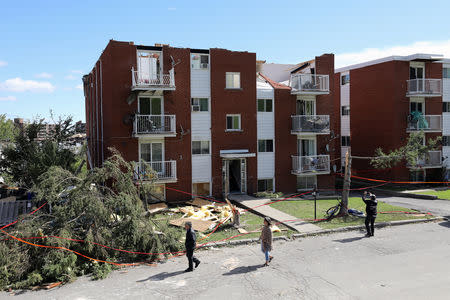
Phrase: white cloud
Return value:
(428, 47)
(79, 86)
(20, 85)
(3, 63)
(70, 77)
(8, 98)
(44, 75)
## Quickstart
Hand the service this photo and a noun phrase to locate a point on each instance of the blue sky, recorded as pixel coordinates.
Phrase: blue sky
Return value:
(46, 46)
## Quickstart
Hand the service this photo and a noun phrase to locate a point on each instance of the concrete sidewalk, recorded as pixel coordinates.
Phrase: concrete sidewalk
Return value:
(257, 205)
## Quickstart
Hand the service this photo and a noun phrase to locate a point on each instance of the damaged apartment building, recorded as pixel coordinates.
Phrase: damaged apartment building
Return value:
(213, 121)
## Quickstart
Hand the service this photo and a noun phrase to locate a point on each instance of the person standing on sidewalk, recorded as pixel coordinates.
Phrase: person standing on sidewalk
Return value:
(190, 243)
(371, 211)
(266, 240)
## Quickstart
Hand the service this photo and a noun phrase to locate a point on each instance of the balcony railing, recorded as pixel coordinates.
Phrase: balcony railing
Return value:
(310, 165)
(432, 160)
(424, 87)
(154, 124)
(158, 171)
(309, 84)
(318, 124)
(428, 123)
(142, 80)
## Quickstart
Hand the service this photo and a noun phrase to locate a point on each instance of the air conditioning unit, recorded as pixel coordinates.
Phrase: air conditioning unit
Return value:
(204, 66)
(195, 107)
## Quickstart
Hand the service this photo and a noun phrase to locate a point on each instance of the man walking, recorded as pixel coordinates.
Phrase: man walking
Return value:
(371, 211)
(190, 243)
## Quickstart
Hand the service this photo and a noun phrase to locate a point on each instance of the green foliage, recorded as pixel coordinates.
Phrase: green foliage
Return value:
(411, 152)
(269, 195)
(28, 157)
(102, 206)
(7, 129)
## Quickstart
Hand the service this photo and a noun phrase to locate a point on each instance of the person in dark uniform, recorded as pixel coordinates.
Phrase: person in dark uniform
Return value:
(190, 243)
(371, 211)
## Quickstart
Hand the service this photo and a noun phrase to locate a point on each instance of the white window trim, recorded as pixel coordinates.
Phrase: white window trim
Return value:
(233, 115)
(210, 187)
(265, 107)
(267, 178)
(209, 105)
(151, 141)
(151, 97)
(209, 147)
(308, 100)
(313, 138)
(273, 146)
(201, 69)
(233, 88)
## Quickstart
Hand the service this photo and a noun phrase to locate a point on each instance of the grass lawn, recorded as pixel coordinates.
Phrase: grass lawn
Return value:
(445, 195)
(248, 221)
(304, 209)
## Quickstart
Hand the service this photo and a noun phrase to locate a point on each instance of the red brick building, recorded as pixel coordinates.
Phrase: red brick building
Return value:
(208, 124)
(383, 101)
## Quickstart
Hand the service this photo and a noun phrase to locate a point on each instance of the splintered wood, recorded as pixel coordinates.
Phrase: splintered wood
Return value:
(198, 225)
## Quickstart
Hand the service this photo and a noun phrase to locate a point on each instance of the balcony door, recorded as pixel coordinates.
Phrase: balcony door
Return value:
(152, 153)
(417, 72)
(151, 111)
(149, 66)
(306, 146)
(306, 107)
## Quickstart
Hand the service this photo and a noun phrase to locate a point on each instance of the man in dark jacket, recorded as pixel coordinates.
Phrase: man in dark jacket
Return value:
(371, 211)
(190, 243)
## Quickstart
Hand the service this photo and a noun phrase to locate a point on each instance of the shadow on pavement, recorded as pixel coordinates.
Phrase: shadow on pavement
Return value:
(445, 224)
(161, 276)
(349, 240)
(243, 269)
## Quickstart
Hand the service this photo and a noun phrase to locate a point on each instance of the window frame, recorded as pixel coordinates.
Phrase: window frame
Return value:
(345, 141)
(446, 107)
(200, 63)
(266, 189)
(198, 100)
(446, 141)
(232, 116)
(446, 73)
(345, 110)
(265, 145)
(203, 150)
(345, 79)
(265, 101)
(232, 81)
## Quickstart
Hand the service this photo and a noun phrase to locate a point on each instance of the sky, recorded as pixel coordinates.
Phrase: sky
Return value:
(47, 46)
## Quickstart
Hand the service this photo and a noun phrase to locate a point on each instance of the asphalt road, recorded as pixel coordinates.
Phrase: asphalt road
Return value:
(403, 262)
(436, 207)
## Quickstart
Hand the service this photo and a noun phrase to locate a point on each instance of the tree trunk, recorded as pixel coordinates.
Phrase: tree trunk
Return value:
(347, 178)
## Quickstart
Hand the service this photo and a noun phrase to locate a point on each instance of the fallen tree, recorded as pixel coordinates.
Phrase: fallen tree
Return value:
(103, 206)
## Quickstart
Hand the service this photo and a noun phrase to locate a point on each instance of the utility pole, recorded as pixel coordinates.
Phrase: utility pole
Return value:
(347, 179)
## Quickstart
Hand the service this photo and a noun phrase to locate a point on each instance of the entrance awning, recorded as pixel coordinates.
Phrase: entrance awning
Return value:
(241, 153)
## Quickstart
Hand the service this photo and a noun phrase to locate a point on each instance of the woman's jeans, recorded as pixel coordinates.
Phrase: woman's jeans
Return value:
(266, 253)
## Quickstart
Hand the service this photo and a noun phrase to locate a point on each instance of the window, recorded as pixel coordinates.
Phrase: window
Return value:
(345, 110)
(233, 80)
(150, 106)
(200, 189)
(199, 61)
(265, 185)
(151, 152)
(446, 140)
(446, 73)
(265, 105)
(345, 141)
(416, 106)
(200, 147)
(345, 79)
(416, 72)
(305, 107)
(265, 145)
(445, 106)
(306, 182)
(233, 122)
(417, 176)
(200, 104)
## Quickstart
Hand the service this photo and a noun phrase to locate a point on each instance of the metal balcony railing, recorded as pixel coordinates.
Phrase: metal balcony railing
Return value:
(309, 84)
(318, 124)
(424, 122)
(144, 80)
(159, 171)
(432, 160)
(424, 87)
(310, 165)
(154, 124)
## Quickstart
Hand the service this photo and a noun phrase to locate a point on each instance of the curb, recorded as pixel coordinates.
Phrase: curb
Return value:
(324, 232)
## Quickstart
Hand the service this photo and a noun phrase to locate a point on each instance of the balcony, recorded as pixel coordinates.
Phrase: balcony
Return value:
(157, 171)
(146, 81)
(424, 87)
(432, 160)
(310, 165)
(154, 125)
(315, 124)
(309, 84)
(427, 123)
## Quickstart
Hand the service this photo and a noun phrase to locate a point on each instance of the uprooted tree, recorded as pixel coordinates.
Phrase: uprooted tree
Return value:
(102, 206)
(413, 152)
